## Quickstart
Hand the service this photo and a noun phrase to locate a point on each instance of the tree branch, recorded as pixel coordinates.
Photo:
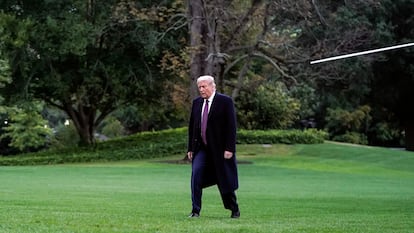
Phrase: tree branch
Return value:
(321, 18)
(178, 24)
(242, 24)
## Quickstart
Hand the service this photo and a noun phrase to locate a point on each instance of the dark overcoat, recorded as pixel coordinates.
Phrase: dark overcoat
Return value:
(221, 136)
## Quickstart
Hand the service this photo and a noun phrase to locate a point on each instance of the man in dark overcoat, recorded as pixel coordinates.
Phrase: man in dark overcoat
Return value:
(212, 146)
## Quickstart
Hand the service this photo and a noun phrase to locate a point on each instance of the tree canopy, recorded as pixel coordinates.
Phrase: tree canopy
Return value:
(238, 41)
(84, 57)
(140, 60)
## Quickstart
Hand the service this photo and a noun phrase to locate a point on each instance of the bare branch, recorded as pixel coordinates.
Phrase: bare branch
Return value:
(181, 22)
(243, 22)
(242, 73)
(263, 56)
(276, 66)
(321, 18)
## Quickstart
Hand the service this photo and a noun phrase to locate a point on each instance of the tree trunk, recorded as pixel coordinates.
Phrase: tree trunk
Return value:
(206, 55)
(409, 135)
(198, 35)
(84, 120)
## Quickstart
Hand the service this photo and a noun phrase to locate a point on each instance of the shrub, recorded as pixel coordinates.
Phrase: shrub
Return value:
(65, 136)
(352, 137)
(139, 146)
(340, 121)
(112, 127)
(153, 145)
(27, 129)
(308, 136)
(269, 106)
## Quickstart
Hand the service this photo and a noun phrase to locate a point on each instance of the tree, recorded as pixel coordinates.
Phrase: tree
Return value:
(216, 28)
(392, 88)
(235, 40)
(379, 80)
(23, 128)
(85, 58)
(26, 128)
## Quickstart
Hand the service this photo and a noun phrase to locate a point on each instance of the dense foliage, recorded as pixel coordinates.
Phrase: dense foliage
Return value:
(363, 99)
(85, 58)
(272, 42)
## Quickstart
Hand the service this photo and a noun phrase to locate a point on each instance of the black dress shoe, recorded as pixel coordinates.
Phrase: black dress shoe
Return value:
(235, 214)
(194, 215)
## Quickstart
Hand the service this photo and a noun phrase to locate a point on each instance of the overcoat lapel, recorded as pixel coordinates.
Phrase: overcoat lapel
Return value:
(199, 110)
(212, 107)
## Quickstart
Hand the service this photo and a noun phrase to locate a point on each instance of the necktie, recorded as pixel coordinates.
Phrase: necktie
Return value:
(204, 123)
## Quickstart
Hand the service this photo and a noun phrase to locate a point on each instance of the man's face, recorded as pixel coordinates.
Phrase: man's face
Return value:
(205, 88)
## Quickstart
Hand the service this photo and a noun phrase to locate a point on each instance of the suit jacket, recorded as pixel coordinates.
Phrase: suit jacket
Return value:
(221, 136)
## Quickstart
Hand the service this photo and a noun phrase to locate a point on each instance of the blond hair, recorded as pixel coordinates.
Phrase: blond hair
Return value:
(208, 78)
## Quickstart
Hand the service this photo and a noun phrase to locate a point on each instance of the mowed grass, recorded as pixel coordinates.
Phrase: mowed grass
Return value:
(287, 188)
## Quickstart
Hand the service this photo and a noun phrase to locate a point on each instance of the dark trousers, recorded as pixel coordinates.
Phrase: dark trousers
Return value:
(201, 162)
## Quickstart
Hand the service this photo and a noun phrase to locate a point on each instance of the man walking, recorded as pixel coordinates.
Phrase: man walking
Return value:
(212, 146)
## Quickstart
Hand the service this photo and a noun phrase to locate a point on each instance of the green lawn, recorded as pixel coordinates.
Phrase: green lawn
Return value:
(302, 188)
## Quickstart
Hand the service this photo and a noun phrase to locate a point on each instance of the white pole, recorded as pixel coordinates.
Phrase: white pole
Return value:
(361, 53)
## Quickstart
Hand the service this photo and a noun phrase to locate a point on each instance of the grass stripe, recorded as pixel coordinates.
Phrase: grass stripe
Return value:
(287, 188)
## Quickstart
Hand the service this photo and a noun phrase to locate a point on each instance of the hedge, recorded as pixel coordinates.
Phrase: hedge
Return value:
(308, 136)
(155, 144)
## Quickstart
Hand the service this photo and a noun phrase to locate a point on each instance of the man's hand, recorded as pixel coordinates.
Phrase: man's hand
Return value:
(228, 154)
(190, 155)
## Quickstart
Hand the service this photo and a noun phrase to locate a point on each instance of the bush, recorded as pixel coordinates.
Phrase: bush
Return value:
(65, 136)
(139, 146)
(308, 136)
(269, 106)
(352, 137)
(153, 145)
(112, 128)
(27, 130)
(341, 121)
